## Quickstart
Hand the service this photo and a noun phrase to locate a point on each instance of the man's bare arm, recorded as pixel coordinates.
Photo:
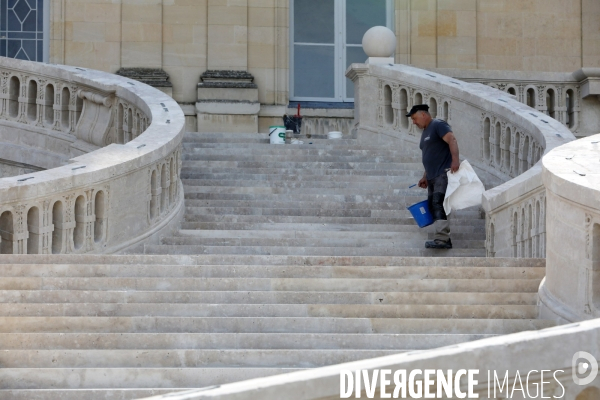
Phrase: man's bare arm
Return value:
(453, 144)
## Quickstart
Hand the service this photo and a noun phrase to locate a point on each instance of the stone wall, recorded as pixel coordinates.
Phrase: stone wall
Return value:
(527, 35)
(184, 38)
(123, 186)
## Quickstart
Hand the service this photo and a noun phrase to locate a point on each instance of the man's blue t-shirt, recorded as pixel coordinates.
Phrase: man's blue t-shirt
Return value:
(436, 153)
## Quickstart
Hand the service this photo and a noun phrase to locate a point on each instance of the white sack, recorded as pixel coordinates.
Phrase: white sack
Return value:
(464, 189)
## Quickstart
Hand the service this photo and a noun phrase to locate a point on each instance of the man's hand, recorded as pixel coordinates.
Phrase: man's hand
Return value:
(423, 183)
(454, 166)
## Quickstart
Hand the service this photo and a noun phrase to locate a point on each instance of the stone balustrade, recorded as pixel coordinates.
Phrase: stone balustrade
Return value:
(121, 188)
(502, 138)
(570, 98)
(571, 175)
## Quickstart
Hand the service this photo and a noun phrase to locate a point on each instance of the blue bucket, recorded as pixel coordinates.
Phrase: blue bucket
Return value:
(421, 214)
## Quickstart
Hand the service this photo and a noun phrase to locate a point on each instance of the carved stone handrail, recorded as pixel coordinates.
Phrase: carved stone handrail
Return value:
(570, 98)
(121, 189)
(503, 138)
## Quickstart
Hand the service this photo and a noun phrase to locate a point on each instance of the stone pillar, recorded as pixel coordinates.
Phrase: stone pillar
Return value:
(227, 102)
(456, 34)
(141, 33)
(571, 290)
(591, 33)
(227, 35)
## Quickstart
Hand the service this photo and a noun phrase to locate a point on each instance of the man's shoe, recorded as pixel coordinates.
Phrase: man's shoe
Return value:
(438, 244)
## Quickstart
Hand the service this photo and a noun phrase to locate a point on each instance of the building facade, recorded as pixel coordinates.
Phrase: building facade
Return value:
(298, 50)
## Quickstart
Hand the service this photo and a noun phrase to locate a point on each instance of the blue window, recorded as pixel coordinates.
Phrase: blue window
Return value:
(325, 38)
(23, 29)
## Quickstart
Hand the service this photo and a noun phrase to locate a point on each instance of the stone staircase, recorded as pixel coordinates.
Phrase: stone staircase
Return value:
(131, 326)
(289, 257)
(326, 198)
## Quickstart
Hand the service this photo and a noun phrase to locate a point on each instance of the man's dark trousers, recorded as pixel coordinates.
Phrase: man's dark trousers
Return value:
(436, 192)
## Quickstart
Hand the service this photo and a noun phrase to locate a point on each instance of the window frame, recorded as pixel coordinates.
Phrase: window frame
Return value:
(45, 39)
(340, 53)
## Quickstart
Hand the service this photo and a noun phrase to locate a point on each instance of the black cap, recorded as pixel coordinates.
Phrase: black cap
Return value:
(418, 107)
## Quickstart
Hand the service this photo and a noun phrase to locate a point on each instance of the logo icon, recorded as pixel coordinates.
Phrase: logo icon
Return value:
(584, 363)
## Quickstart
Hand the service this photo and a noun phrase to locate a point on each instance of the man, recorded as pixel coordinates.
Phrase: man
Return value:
(440, 154)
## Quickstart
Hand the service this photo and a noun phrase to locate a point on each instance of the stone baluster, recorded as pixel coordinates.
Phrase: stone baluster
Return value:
(89, 219)
(504, 150)
(73, 109)
(57, 107)
(514, 155)
(560, 109)
(21, 234)
(68, 225)
(576, 109)
(127, 123)
(22, 115)
(4, 93)
(135, 130)
(155, 192)
(519, 237)
(542, 227)
(166, 182)
(45, 231)
(522, 154)
(493, 147)
(541, 105)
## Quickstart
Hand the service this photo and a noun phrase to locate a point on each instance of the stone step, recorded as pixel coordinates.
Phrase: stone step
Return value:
(409, 170)
(278, 284)
(400, 212)
(123, 271)
(336, 235)
(317, 148)
(314, 251)
(230, 341)
(318, 143)
(217, 325)
(87, 394)
(323, 205)
(117, 378)
(475, 228)
(209, 259)
(245, 158)
(416, 242)
(317, 192)
(273, 207)
(276, 219)
(269, 310)
(185, 358)
(286, 163)
(264, 297)
(328, 184)
(296, 176)
(410, 197)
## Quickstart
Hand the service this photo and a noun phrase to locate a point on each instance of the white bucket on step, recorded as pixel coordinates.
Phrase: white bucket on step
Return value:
(277, 134)
(334, 135)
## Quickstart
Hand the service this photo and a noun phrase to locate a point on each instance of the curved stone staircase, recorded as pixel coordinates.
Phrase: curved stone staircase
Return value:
(289, 258)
